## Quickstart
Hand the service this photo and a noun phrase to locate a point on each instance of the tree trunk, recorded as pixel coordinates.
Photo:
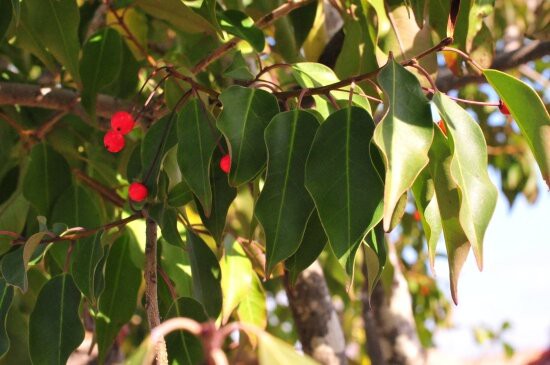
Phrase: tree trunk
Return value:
(389, 322)
(316, 319)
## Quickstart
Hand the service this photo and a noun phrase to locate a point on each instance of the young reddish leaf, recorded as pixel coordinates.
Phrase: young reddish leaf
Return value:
(404, 135)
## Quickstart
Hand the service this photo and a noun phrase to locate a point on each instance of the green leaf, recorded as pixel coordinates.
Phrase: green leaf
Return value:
(47, 177)
(206, 275)
(197, 137)
(530, 114)
(6, 16)
(6, 297)
(439, 16)
(273, 351)
(246, 113)
(15, 264)
(137, 24)
(55, 24)
(174, 11)
(100, 65)
(284, 204)
(118, 301)
(310, 75)
(167, 219)
(55, 329)
(156, 143)
(76, 208)
(375, 256)
(13, 215)
(252, 308)
(86, 258)
(241, 25)
(343, 181)
(175, 261)
(183, 347)
(404, 135)
(237, 276)
(313, 243)
(448, 199)
(179, 195)
(478, 195)
(222, 197)
(238, 69)
(426, 202)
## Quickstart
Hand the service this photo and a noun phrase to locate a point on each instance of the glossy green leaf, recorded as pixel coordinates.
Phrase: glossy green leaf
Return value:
(183, 347)
(478, 195)
(173, 11)
(86, 258)
(448, 202)
(375, 256)
(222, 197)
(100, 64)
(530, 114)
(167, 219)
(55, 329)
(206, 275)
(47, 177)
(76, 207)
(273, 351)
(241, 25)
(119, 298)
(404, 135)
(284, 204)
(313, 243)
(343, 181)
(438, 16)
(246, 113)
(6, 297)
(15, 263)
(237, 276)
(175, 261)
(426, 202)
(197, 137)
(55, 24)
(159, 139)
(310, 75)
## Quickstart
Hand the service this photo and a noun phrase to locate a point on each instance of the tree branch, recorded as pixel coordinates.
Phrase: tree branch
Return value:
(504, 61)
(151, 299)
(263, 22)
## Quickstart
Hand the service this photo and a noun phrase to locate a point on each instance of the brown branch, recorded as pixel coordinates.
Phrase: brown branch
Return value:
(263, 22)
(151, 298)
(504, 61)
(86, 232)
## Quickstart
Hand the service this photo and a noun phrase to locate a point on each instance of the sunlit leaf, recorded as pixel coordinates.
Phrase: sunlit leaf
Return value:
(404, 135)
(239, 24)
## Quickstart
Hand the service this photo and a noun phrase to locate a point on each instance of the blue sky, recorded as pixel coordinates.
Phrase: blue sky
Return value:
(514, 285)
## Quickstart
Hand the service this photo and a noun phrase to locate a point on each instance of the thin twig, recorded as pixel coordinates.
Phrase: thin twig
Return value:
(466, 56)
(107, 193)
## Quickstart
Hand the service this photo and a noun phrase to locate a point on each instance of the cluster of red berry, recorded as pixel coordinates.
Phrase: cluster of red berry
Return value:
(121, 124)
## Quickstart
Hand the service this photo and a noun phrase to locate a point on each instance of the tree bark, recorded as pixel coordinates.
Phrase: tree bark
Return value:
(316, 319)
(389, 322)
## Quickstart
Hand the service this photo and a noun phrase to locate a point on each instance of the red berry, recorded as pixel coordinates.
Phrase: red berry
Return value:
(503, 108)
(416, 215)
(225, 164)
(122, 122)
(441, 125)
(113, 141)
(137, 192)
